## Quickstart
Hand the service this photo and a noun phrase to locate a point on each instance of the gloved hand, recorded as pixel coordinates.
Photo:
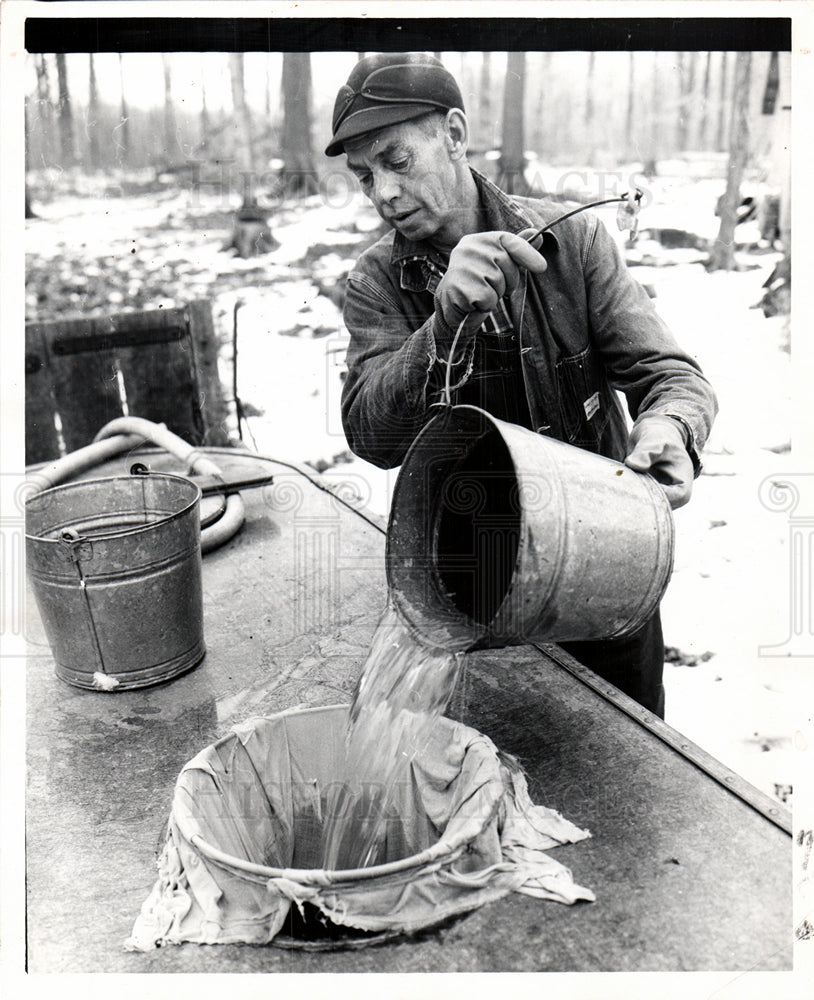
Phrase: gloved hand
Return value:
(483, 268)
(657, 445)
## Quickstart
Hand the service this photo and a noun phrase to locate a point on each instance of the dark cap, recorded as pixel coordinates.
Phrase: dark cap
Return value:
(388, 88)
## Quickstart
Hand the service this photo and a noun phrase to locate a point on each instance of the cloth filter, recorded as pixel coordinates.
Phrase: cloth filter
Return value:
(245, 827)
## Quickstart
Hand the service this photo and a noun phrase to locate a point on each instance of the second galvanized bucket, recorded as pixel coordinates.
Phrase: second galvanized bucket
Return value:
(115, 567)
(500, 536)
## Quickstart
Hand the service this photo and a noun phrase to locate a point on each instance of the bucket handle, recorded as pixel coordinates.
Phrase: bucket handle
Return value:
(78, 548)
(445, 402)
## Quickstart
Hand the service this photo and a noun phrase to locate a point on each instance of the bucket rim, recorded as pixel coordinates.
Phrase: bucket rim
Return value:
(463, 630)
(137, 529)
(441, 851)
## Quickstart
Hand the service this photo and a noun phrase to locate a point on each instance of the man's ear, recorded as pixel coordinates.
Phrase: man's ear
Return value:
(457, 133)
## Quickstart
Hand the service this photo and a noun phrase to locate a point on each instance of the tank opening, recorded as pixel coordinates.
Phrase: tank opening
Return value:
(478, 530)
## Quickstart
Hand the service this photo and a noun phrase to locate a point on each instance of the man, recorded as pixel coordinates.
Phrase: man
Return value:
(547, 331)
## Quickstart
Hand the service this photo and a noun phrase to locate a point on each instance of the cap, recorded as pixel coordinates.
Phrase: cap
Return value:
(388, 88)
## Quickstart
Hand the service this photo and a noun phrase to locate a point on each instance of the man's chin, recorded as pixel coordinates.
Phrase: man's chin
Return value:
(414, 227)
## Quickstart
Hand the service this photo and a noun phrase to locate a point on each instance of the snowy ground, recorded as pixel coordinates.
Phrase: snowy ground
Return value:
(730, 595)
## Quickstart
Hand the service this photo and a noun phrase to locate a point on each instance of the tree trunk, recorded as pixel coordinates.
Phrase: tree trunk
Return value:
(721, 139)
(244, 153)
(299, 174)
(124, 115)
(268, 92)
(686, 85)
(45, 111)
(203, 141)
(170, 130)
(512, 161)
(94, 149)
(66, 138)
(722, 254)
(588, 120)
(652, 156)
(631, 105)
(29, 212)
(485, 101)
(703, 124)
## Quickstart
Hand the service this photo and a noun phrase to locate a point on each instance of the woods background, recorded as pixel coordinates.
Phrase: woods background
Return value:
(148, 116)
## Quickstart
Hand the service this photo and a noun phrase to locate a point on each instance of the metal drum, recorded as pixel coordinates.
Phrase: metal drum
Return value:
(501, 536)
(115, 567)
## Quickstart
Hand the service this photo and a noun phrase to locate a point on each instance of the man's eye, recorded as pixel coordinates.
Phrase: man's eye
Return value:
(399, 164)
(365, 179)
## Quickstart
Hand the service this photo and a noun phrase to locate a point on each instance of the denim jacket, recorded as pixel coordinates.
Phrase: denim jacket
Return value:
(574, 334)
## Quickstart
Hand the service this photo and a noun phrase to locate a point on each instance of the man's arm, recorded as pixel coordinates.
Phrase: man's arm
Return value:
(392, 359)
(672, 403)
(396, 362)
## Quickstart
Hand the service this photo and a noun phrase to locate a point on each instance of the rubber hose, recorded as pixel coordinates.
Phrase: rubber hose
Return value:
(125, 433)
(80, 460)
(235, 512)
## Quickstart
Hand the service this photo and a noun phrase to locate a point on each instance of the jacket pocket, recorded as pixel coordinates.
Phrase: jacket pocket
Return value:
(583, 402)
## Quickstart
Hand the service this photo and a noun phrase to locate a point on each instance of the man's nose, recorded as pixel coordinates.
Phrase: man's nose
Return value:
(386, 187)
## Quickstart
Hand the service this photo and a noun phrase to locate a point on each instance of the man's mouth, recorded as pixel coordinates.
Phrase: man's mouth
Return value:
(397, 219)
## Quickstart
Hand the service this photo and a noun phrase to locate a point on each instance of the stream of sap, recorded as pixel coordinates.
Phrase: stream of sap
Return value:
(404, 687)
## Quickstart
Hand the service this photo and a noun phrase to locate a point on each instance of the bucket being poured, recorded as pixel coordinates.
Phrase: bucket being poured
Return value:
(501, 536)
(115, 567)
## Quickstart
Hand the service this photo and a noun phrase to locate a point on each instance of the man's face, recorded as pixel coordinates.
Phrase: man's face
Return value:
(407, 172)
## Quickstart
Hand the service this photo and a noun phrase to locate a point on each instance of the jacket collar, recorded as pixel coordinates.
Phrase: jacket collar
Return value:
(500, 212)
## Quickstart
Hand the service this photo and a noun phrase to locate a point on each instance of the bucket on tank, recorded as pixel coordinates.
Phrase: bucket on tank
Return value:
(499, 536)
(115, 568)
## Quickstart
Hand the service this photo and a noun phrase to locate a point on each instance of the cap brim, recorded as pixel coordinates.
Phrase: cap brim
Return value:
(373, 119)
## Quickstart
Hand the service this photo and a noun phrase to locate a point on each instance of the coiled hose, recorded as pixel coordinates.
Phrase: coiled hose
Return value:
(126, 433)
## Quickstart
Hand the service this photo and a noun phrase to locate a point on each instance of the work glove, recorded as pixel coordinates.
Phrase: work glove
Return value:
(483, 268)
(658, 446)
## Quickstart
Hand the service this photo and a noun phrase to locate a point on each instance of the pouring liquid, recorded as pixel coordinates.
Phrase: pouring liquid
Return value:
(405, 686)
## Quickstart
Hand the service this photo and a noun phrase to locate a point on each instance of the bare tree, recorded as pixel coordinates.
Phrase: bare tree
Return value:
(94, 149)
(124, 115)
(203, 140)
(722, 254)
(45, 110)
(631, 102)
(66, 136)
(721, 130)
(299, 174)
(251, 234)
(588, 119)
(654, 132)
(243, 127)
(703, 123)
(170, 131)
(686, 86)
(29, 211)
(512, 160)
(485, 99)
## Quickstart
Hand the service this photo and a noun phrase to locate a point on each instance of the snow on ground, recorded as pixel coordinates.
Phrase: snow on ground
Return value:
(730, 595)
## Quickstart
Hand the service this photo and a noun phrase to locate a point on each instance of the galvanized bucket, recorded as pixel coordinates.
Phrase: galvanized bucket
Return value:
(501, 536)
(115, 567)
